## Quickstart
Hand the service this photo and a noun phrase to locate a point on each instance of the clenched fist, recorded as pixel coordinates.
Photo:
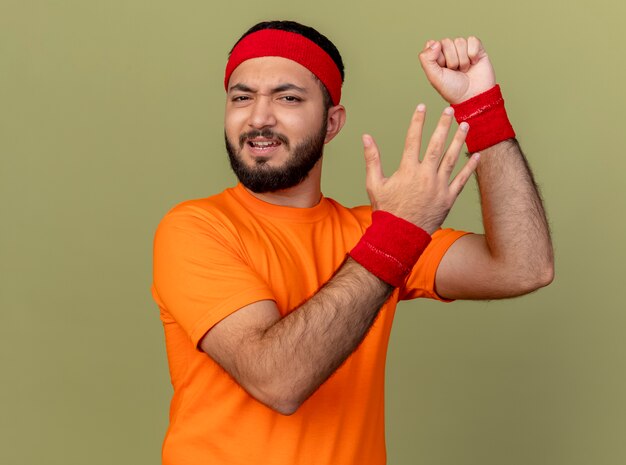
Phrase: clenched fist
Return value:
(458, 69)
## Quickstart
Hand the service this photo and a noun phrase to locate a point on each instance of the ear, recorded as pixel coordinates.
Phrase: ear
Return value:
(334, 122)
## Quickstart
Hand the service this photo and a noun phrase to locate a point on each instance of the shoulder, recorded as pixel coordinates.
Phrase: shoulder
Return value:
(212, 218)
(208, 210)
(363, 214)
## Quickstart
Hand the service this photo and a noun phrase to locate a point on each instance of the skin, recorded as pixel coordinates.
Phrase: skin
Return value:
(291, 112)
(515, 254)
(282, 361)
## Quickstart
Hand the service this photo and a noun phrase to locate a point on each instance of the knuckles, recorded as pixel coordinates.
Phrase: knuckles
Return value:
(460, 42)
(470, 43)
(447, 42)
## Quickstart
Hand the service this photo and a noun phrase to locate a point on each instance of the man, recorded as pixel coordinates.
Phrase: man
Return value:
(277, 302)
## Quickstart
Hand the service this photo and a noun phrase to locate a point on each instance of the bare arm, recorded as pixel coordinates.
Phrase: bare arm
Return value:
(281, 362)
(514, 256)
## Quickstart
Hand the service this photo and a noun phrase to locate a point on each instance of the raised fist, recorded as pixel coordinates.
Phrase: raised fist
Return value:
(458, 69)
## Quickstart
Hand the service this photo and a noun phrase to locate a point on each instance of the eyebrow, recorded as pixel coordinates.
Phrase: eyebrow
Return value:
(288, 86)
(241, 87)
(281, 88)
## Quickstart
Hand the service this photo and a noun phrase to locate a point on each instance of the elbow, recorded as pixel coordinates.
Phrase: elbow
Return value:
(547, 275)
(523, 278)
(286, 408)
(537, 277)
(544, 272)
(279, 397)
(280, 404)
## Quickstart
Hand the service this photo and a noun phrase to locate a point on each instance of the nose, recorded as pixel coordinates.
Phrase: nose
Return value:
(261, 113)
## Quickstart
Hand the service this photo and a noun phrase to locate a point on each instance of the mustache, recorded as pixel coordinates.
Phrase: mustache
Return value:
(266, 133)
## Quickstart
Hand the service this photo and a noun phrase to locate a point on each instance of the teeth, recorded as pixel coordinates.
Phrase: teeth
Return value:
(263, 144)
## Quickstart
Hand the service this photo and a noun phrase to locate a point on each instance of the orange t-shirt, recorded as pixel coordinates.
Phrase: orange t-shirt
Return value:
(216, 255)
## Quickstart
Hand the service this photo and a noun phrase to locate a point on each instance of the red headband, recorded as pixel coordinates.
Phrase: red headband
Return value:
(277, 43)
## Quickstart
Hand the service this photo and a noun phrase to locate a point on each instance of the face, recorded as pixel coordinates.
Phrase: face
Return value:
(275, 123)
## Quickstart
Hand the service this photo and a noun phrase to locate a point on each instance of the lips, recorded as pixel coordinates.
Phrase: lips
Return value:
(260, 147)
(263, 143)
(264, 139)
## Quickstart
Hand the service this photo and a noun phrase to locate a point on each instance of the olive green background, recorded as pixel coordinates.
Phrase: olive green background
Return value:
(111, 113)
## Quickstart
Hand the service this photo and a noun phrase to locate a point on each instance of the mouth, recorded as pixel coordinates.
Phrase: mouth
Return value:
(259, 143)
(262, 146)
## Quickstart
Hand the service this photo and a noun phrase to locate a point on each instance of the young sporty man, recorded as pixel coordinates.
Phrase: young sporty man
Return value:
(277, 302)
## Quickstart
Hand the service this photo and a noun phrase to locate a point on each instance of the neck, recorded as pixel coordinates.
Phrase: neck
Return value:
(307, 194)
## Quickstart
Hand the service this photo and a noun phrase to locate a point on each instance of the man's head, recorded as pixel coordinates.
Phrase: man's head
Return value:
(283, 82)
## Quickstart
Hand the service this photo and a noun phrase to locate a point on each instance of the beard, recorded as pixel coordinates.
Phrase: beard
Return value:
(261, 177)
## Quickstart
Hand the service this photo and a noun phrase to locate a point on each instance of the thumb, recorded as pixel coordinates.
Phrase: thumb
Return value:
(432, 61)
(373, 169)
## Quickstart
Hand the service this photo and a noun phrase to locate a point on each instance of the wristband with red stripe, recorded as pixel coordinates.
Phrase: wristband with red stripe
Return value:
(390, 247)
(486, 115)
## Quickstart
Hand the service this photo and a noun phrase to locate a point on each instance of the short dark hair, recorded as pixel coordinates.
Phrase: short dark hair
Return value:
(313, 35)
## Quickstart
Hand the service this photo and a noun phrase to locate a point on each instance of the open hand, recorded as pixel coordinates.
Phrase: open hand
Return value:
(458, 69)
(420, 191)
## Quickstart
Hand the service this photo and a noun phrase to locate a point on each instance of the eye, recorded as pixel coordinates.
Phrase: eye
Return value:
(240, 98)
(291, 98)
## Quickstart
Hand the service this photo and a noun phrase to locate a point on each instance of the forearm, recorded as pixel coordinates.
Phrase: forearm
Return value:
(282, 361)
(285, 363)
(515, 254)
(516, 229)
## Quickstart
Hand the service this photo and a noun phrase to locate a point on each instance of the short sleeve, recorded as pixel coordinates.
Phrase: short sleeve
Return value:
(200, 275)
(421, 281)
